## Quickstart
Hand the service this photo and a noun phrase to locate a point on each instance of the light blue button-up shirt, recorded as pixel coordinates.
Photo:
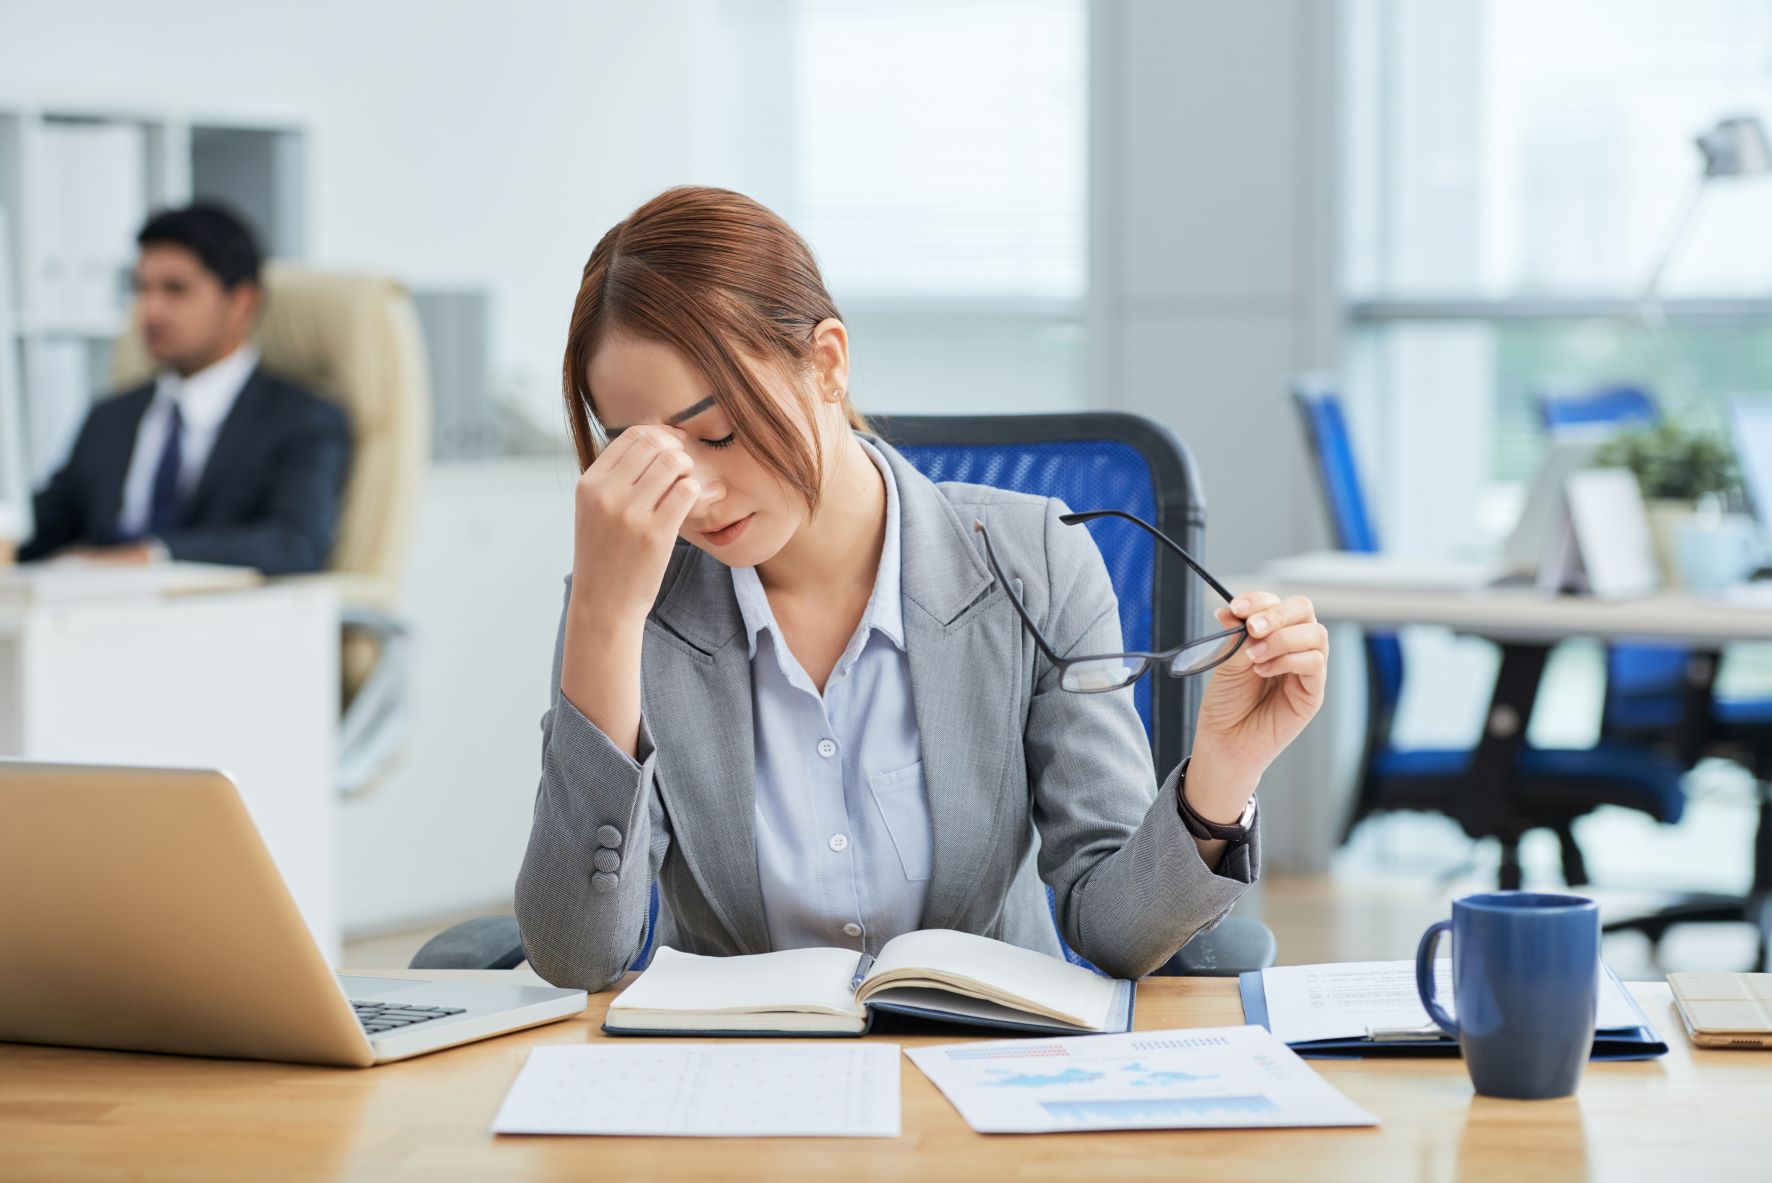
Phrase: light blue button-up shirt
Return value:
(842, 818)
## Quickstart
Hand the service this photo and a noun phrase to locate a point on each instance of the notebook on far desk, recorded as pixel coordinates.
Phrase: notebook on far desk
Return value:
(936, 974)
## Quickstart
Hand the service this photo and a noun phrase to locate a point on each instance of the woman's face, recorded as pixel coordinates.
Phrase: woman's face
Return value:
(746, 513)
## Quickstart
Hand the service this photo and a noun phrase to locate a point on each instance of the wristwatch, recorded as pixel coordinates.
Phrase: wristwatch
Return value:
(1204, 830)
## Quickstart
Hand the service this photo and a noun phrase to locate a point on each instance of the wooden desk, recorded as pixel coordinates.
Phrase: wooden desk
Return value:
(65, 1114)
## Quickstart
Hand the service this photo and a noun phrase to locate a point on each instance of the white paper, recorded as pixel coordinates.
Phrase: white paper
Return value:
(1345, 1001)
(1612, 533)
(820, 1090)
(1200, 1078)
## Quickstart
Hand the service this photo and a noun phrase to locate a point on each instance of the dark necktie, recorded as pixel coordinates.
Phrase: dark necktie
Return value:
(163, 509)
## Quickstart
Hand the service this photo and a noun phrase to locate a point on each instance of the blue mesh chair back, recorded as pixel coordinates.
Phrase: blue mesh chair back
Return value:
(1645, 684)
(1350, 521)
(1098, 460)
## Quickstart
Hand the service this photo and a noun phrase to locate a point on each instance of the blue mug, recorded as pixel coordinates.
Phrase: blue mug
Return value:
(1526, 979)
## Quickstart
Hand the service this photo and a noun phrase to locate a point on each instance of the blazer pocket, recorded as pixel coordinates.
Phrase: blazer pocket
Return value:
(903, 806)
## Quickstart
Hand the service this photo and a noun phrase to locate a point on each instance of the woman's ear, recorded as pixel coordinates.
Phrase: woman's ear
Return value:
(830, 359)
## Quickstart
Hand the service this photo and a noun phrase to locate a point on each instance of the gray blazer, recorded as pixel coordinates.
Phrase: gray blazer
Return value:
(1028, 785)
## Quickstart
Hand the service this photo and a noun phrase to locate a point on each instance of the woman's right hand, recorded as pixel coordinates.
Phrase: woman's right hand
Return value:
(631, 503)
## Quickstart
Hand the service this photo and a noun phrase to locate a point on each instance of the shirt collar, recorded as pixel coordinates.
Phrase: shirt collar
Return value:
(885, 610)
(204, 398)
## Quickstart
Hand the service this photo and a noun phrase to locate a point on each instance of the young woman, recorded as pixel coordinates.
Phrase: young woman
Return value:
(790, 688)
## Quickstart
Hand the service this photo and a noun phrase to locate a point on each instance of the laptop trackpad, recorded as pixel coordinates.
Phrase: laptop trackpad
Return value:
(367, 989)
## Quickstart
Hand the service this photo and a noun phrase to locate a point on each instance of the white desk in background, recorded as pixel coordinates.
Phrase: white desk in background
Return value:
(1525, 625)
(243, 680)
(1523, 615)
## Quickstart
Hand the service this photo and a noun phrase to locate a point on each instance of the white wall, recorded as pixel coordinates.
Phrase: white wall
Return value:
(1213, 282)
(451, 141)
(446, 830)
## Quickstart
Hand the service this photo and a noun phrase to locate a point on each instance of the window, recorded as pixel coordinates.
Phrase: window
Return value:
(1515, 169)
(933, 153)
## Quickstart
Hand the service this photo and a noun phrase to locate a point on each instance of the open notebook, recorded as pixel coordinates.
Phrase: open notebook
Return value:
(935, 973)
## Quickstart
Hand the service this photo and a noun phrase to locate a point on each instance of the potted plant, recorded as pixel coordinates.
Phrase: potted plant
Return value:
(1676, 469)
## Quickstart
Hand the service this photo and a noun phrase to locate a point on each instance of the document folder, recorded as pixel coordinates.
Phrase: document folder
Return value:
(1639, 1042)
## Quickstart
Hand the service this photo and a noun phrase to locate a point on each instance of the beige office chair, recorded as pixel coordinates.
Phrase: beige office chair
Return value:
(355, 339)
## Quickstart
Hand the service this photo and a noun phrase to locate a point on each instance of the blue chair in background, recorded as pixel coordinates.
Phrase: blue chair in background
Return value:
(1650, 691)
(1600, 411)
(1503, 787)
(1096, 460)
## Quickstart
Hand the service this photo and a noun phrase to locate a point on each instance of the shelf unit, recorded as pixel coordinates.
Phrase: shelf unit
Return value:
(259, 167)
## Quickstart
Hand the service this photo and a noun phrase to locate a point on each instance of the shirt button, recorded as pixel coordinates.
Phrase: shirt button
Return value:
(839, 842)
(826, 748)
(852, 929)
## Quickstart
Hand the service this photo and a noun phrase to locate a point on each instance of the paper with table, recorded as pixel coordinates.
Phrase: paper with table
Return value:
(698, 1090)
(1195, 1078)
(1371, 1005)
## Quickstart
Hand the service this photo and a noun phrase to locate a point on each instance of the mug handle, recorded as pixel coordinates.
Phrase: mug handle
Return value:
(1424, 977)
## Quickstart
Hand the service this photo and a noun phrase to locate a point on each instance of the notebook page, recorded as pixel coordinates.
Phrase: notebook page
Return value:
(793, 979)
(1057, 985)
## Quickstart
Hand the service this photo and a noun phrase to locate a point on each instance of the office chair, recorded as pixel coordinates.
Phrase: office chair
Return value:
(1535, 787)
(1091, 461)
(1665, 694)
(354, 338)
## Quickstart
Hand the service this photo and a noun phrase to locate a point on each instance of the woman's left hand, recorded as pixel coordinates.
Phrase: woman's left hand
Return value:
(1261, 698)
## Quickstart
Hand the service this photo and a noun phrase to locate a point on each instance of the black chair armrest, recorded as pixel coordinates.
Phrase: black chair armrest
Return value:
(1236, 946)
(487, 942)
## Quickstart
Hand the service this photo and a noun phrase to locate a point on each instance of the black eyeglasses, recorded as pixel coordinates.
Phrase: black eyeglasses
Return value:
(1103, 672)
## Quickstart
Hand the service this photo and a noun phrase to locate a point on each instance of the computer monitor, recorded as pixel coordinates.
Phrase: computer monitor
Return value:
(1750, 420)
(15, 482)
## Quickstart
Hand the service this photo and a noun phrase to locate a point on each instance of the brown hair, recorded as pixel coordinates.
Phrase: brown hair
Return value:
(721, 279)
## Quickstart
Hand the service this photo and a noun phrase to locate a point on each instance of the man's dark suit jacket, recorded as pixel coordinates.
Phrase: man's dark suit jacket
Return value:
(268, 496)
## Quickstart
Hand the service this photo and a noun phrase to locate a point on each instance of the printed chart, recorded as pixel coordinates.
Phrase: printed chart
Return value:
(1226, 1077)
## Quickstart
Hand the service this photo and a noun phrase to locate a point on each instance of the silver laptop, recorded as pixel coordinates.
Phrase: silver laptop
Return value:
(140, 911)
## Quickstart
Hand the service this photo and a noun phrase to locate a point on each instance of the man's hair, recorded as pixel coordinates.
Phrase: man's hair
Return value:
(220, 238)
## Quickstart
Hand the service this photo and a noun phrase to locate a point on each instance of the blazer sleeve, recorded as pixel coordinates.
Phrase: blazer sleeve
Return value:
(1127, 878)
(58, 511)
(583, 926)
(295, 533)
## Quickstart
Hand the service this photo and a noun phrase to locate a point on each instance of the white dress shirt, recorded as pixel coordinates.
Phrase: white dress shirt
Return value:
(203, 400)
(842, 816)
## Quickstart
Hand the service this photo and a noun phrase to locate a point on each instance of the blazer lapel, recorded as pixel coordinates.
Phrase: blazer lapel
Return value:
(965, 688)
(113, 467)
(232, 449)
(697, 700)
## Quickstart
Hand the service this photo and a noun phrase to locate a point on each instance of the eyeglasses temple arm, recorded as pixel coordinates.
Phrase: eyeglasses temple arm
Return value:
(1009, 590)
(1072, 519)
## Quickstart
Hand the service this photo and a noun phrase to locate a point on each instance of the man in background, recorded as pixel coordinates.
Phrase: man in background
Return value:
(216, 460)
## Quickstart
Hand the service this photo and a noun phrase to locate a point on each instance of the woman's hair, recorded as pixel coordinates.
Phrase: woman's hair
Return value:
(724, 281)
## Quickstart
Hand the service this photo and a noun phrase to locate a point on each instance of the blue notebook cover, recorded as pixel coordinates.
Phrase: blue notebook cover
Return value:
(1614, 1043)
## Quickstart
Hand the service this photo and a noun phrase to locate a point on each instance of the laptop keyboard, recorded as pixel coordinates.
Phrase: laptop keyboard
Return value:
(380, 1017)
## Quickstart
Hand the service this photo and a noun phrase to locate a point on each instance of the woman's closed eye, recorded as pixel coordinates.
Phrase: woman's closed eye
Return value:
(722, 443)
